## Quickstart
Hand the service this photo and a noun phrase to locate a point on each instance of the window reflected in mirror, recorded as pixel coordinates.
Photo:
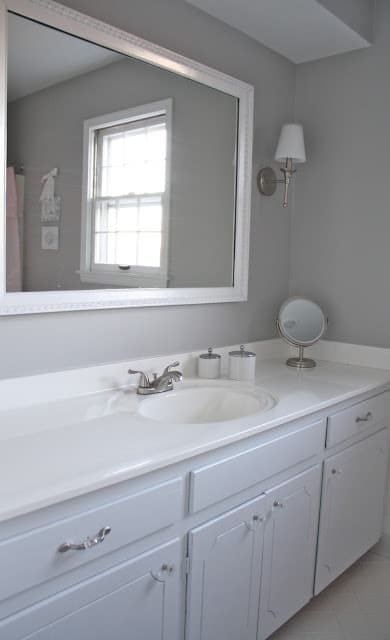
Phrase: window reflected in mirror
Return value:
(126, 199)
(120, 174)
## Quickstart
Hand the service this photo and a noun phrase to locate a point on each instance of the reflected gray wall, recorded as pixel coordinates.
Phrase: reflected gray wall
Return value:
(341, 227)
(358, 14)
(55, 341)
(45, 130)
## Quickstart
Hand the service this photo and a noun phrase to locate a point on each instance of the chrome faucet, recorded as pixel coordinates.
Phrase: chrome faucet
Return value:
(158, 384)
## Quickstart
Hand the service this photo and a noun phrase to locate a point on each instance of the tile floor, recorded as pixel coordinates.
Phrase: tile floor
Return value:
(354, 607)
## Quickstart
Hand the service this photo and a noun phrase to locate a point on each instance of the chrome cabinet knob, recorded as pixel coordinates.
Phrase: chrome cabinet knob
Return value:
(254, 522)
(166, 570)
(336, 471)
(87, 543)
(278, 505)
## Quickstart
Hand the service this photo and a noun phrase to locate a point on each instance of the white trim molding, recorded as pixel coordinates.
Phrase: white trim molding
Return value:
(80, 25)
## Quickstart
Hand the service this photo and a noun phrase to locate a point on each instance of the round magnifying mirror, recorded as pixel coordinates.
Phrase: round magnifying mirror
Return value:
(301, 322)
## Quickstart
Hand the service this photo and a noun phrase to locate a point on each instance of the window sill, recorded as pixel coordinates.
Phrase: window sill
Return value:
(125, 279)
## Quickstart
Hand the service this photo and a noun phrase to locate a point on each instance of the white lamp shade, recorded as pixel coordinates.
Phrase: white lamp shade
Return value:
(291, 144)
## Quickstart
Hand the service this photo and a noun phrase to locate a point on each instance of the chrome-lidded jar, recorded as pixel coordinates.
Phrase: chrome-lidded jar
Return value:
(209, 365)
(242, 364)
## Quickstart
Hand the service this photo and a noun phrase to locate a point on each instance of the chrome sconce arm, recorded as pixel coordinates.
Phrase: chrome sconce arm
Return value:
(291, 148)
(267, 181)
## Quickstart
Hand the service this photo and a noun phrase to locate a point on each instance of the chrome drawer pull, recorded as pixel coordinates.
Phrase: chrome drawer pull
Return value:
(366, 418)
(86, 544)
(278, 505)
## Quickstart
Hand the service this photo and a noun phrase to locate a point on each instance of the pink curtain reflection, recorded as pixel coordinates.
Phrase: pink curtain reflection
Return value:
(14, 235)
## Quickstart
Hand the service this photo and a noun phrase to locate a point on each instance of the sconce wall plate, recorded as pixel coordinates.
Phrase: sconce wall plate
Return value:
(266, 181)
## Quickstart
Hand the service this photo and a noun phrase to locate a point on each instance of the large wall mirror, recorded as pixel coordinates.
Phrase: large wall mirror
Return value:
(127, 169)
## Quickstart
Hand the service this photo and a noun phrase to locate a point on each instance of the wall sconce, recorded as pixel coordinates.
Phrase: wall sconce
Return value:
(291, 148)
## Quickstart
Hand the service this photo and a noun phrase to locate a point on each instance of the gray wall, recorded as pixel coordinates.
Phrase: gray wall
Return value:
(54, 341)
(340, 248)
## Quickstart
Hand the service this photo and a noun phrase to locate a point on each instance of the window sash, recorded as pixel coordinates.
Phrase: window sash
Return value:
(153, 114)
(139, 203)
(109, 131)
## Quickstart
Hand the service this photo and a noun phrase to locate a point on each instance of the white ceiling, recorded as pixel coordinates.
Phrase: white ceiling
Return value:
(39, 57)
(300, 30)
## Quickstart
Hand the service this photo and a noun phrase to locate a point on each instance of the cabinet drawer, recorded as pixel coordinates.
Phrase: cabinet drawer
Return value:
(222, 479)
(33, 557)
(357, 419)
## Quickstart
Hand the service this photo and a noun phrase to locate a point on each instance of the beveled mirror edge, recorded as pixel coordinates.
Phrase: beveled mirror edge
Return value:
(56, 15)
(301, 343)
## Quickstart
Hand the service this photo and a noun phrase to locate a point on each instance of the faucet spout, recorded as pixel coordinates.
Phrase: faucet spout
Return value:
(159, 384)
(165, 381)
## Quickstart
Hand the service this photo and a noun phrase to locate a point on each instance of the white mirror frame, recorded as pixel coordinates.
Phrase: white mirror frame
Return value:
(78, 24)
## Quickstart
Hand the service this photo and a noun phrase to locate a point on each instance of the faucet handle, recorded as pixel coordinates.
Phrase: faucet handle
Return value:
(144, 382)
(170, 366)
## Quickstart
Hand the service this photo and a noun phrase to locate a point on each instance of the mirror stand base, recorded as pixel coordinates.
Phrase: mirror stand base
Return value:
(301, 363)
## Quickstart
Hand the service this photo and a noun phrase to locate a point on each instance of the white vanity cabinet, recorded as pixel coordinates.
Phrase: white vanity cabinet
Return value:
(140, 599)
(289, 549)
(352, 506)
(228, 545)
(225, 570)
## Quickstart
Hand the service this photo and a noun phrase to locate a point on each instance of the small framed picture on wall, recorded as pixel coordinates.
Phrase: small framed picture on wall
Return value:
(50, 238)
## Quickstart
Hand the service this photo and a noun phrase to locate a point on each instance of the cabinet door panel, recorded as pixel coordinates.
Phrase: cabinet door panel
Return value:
(224, 581)
(134, 600)
(352, 506)
(289, 549)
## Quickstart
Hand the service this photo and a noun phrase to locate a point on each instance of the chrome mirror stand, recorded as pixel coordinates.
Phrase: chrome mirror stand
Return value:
(300, 361)
(301, 323)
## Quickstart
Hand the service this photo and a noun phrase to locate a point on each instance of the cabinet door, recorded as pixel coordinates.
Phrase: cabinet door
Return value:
(225, 573)
(138, 600)
(289, 549)
(352, 506)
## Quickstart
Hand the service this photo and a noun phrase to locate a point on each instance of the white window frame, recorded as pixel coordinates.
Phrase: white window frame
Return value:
(111, 275)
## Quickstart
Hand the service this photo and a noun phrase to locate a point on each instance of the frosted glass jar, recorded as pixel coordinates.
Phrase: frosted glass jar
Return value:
(242, 364)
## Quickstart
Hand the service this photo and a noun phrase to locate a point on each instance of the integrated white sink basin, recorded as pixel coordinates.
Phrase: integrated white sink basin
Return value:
(203, 404)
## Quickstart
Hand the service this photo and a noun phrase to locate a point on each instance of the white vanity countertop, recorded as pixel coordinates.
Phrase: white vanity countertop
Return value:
(59, 450)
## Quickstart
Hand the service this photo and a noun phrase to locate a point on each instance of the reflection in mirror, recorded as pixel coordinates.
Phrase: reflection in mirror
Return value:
(120, 174)
(301, 323)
